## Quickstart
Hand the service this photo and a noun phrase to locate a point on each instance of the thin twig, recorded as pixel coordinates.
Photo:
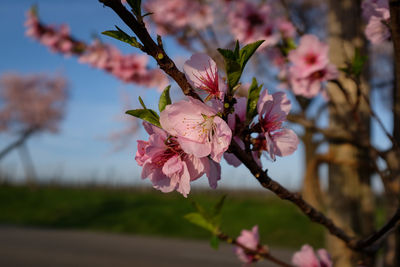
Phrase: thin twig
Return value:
(262, 252)
(150, 47)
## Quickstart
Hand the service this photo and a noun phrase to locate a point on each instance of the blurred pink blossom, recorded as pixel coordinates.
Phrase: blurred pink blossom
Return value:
(168, 167)
(250, 240)
(31, 103)
(310, 66)
(128, 68)
(250, 23)
(175, 15)
(197, 127)
(306, 257)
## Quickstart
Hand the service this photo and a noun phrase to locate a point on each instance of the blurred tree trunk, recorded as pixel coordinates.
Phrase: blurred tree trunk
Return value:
(350, 199)
(392, 186)
(311, 190)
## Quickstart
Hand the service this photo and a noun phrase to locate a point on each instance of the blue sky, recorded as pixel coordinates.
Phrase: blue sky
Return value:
(80, 153)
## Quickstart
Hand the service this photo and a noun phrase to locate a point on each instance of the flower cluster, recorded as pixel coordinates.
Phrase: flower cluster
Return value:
(191, 143)
(250, 240)
(31, 103)
(128, 68)
(249, 246)
(250, 23)
(306, 257)
(176, 15)
(310, 66)
(376, 12)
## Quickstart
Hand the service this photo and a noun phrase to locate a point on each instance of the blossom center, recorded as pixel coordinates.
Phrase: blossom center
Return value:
(208, 81)
(310, 58)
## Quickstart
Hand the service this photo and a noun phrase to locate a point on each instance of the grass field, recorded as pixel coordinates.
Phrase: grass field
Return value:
(147, 212)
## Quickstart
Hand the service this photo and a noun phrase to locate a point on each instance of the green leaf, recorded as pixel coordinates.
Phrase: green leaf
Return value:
(146, 115)
(214, 242)
(252, 99)
(237, 49)
(358, 62)
(236, 60)
(232, 67)
(142, 103)
(135, 5)
(199, 220)
(247, 51)
(165, 99)
(123, 36)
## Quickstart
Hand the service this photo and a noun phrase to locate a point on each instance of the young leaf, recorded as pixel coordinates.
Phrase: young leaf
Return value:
(358, 62)
(142, 103)
(123, 36)
(199, 220)
(135, 5)
(252, 99)
(165, 99)
(232, 67)
(247, 51)
(147, 115)
(214, 242)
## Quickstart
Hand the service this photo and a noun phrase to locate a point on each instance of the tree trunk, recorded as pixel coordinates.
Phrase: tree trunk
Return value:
(350, 199)
(392, 187)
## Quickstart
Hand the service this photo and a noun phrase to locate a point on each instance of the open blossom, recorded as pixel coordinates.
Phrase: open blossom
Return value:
(250, 240)
(174, 15)
(272, 110)
(202, 73)
(168, 167)
(310, 66)
(250, 23)
(306, 257)
(197, 127)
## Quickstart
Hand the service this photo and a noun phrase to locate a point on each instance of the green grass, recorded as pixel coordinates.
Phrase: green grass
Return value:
(154, 213)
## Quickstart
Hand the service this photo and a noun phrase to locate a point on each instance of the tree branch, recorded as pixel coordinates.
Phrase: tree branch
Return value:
(25, 135)
(260, 252)
(166, 64)
(150, 47)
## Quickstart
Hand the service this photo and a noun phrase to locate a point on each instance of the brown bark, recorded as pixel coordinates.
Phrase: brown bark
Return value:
(392, 248)
(350, 198)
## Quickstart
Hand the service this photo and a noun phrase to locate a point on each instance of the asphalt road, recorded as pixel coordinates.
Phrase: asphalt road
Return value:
(52, 248)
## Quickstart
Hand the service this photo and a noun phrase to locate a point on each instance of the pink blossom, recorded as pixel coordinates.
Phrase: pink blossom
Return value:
(197, 127)
(239, 114)
(250, 23)
(371, 7)
(310, 56)
(202, 73)
(175, 15)
(307, 258)
(286, 28)
(376, 30)
(128, 68)
(250, 240)
(310, 66)
(311, 85)
(272, 110)
(168, 167)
